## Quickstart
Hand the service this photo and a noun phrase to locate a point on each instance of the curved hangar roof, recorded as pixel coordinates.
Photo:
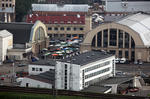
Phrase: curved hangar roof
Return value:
(139, 23)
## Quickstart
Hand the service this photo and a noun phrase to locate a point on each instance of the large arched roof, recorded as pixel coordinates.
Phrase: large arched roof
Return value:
(139, 23)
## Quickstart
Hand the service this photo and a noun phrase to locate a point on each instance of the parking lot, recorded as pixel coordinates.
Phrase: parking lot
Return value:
(6, 72)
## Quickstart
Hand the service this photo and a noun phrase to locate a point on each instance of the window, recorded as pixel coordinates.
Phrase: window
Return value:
(93, 41)
(126, 54)
(112, 52)
(81, 28)
(6, 5)
(33, 69)
(97, 73)
(3, 5)
(10, 5)
(62, 28)
(105, 38)
(113, 37)
(99, 39)
(74, 28)
(126, 40)
(68, 28)
(120, 39)
(49, 28)
(120, 54)
(68, 35)
(41, 69)
(56, 28)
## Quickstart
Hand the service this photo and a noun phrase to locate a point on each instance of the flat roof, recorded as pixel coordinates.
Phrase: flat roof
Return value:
(113, 80)
(96, 89)
(47, 77)
(61, 8)
(87, 57)
(49, 62)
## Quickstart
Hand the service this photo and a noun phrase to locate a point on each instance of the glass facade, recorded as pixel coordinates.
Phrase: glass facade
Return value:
(109, 38)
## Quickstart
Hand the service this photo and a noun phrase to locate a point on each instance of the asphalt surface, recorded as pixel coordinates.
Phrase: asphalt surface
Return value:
(134, 69)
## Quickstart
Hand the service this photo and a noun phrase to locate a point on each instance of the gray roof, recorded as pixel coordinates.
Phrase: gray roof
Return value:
(96, 89)
(140, 23)
(47, 77)
(113, 80)
(21, 31)
(129, 6)
(5, 33)
(87, 57)
(45, 62)
(55, 7)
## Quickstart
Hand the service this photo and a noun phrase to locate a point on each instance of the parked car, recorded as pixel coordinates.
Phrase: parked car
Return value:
(123, 60)
(117, 60)
(22, 64)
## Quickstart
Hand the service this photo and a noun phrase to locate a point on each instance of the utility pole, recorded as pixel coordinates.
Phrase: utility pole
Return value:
(13, 73)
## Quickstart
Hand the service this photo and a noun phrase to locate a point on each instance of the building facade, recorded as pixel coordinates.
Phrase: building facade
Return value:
(27, 38)
(127, 38)
(62, 21)
(6, 43)
(40, 66)
(7, 10)
(80, 71)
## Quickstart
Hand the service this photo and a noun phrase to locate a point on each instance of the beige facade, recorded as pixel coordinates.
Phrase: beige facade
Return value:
(118, 39)
(69, 30)
(7, 10)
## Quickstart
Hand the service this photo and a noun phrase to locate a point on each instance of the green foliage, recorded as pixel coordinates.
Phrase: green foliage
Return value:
(22, 8)
(10, 95)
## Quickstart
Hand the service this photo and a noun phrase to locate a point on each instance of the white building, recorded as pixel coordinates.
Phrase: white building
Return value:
(80, 71)
(73, 73)
(41, 66)
(6, 42)
(43, 80)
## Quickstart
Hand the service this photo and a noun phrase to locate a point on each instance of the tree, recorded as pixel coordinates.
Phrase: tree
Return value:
(22, 8)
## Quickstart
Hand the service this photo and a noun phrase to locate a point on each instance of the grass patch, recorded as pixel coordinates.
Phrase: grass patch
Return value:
(12, 95)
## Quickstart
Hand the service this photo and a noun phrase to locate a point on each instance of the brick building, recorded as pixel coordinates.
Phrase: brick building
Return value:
(62, 20)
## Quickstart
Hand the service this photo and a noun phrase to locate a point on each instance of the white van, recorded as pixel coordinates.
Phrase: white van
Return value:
(123, 60)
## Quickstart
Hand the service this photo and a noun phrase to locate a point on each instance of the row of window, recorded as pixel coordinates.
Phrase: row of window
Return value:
(6, 5)
(102, 39)
(67, 35)
(97, 66)
(37, 69)
(7, 0)
(67, 28)
(96, 73)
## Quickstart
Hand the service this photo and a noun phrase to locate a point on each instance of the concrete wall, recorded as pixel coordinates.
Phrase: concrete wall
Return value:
(5, 44)
(37, 69)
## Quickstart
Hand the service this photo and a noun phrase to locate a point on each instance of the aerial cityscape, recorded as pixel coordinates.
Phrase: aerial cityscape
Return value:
(74, 49)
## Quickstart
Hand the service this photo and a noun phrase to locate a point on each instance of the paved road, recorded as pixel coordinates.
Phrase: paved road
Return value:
(134, 69)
